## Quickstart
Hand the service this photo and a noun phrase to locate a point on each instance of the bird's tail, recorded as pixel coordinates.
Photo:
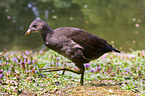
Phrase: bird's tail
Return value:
(115, 50)
(110, 47)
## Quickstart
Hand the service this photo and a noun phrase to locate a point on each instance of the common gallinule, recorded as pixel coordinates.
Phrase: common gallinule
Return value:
(75, 44)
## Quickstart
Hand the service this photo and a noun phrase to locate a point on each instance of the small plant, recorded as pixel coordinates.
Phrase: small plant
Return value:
(20, 74)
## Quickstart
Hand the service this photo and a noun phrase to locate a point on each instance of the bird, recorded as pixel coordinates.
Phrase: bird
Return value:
(76, 44)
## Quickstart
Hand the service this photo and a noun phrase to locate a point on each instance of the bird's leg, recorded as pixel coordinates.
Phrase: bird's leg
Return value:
(63, 72)
(82, 70)
(53, 68)
(59, 69)
(82, 77)
(77, 71)
(47, 68)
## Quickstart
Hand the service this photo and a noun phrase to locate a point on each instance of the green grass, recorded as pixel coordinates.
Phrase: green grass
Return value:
(112, 74)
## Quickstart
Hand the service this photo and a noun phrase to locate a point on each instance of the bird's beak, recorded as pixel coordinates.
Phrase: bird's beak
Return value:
(28, 32)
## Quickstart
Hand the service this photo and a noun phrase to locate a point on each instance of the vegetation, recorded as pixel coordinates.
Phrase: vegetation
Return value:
(112, 74)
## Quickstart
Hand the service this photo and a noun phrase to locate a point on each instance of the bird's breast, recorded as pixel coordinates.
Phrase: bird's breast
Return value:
(68, 48)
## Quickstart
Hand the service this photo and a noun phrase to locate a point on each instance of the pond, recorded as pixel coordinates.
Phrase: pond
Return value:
(120, 22)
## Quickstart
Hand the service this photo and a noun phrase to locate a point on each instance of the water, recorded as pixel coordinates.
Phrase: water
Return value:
(120, 22)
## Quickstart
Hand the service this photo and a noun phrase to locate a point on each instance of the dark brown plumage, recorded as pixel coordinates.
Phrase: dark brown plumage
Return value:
(76, 44)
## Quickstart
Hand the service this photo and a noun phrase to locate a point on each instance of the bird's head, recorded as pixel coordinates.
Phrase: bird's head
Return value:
(37, 26)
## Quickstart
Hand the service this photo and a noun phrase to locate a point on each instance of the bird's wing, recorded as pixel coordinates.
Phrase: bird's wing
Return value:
(91, 44)
(85, 39)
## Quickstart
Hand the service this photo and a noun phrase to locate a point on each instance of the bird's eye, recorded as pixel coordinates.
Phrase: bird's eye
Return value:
(34, 25)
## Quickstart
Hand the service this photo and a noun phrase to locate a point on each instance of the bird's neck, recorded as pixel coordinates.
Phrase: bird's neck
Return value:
(47, 33)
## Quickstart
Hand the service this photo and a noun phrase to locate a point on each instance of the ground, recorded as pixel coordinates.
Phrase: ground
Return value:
(113, 74)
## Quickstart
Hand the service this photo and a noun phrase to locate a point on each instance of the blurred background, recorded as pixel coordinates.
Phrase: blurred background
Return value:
(120, 22)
